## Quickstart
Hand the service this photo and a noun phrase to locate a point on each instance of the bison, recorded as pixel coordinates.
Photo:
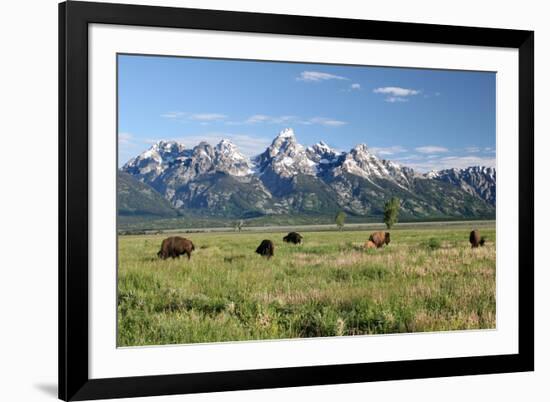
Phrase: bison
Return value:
(370, 244)
(293, 237)
(380, 238)
(175, 246)
(266, 249)
(475, 239)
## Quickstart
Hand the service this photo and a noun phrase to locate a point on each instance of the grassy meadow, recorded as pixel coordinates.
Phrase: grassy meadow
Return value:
(427, 279)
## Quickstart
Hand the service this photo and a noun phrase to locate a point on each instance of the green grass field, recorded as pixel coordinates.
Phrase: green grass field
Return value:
(427, 279)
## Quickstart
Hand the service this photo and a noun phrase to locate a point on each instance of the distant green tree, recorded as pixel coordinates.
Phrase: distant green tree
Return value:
(391, 212)
(239, 225)
(340, 220)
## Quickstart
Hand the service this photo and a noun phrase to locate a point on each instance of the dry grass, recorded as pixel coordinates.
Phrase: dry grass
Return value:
(329, 286)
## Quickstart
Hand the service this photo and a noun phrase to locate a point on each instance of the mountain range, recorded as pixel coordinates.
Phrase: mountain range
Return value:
(291, 179)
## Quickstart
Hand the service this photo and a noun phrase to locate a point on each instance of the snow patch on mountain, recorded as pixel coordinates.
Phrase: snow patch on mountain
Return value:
(153, 162)
(288, 175)
(475, 180)
(285, 157)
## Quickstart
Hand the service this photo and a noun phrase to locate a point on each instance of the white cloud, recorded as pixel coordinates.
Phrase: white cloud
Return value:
(396, 91)
(480, 150)
(431, 149)
(127, 146)
(384, 151)
(289, 119)
(325, 121)
(396, 94)
(207, 116)
(466, 161)
(262, 118)
(125, 138)
(249, 145)
(316, 76)
(258, 118)
(173, 115)
(409, 157)
(423, 163)
(204, 117)
(355, 86)
(284, 119)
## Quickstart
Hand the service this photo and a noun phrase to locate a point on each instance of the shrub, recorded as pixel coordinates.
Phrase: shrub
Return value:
(340, 220)
(433, 244)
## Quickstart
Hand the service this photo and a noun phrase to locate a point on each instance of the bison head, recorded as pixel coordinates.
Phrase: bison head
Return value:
(387, 238)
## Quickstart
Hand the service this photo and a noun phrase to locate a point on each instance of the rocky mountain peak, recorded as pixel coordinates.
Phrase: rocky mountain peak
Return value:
(432, 174)
(287, 133)
(228, 159)
(286, 157)
(284, 143)
(202, 148)
(361, 149)
(290, 177)
(167, 146)
(359, 161)
(226, 146)
(475, 180)
(151, 163)
(323, 155)
(321, 149)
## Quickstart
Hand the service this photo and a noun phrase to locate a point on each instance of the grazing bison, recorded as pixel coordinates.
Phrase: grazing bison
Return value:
(266, 248)
(370, 244)
(175, 246)
(475, 239)
(380, 238)
(293, 237)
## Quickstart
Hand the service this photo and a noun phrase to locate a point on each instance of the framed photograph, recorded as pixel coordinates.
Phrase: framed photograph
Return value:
(258, 201)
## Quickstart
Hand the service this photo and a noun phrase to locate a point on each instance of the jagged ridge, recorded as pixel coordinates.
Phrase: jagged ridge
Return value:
(290, 178)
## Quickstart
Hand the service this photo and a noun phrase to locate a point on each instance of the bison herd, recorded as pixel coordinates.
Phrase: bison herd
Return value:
(175, 246)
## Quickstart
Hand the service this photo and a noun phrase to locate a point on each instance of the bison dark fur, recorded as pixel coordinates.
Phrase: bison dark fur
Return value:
(266, 248)
(293, 237)
(475, 239)
(380, 238)
(175, 246)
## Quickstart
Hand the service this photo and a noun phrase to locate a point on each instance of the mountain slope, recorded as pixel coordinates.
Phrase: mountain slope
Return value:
(288, 178)
(475, 180)
(137, 198)
(221, 194)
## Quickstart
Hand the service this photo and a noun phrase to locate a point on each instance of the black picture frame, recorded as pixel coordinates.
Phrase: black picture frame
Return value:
(74, 18)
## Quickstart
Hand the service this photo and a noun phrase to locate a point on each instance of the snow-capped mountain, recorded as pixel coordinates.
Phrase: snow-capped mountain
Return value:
(361, 162)
(322, 154)
(290, 178)
(228, 159)
(150, 164)
(285, 157)
(172, 157)
(475, 180)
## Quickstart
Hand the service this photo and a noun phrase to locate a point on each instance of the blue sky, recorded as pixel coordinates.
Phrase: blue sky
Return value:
(425, 119)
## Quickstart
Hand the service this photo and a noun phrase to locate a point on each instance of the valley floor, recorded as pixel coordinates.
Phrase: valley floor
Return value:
(427, 279)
